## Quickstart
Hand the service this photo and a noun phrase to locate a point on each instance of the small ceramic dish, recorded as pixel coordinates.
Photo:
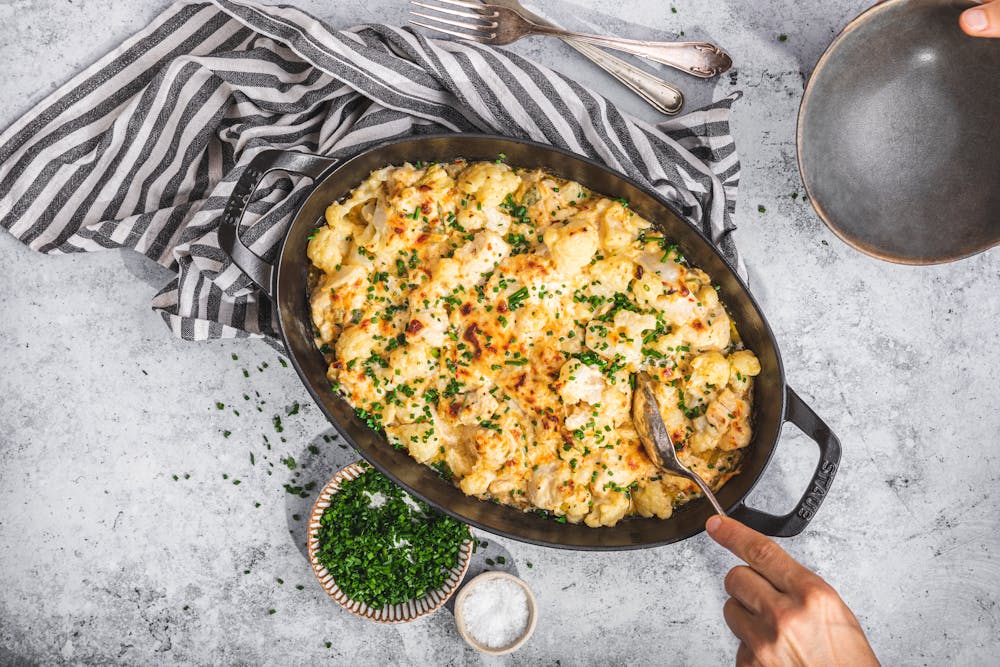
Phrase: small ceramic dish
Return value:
(463, 629)
(396, 613)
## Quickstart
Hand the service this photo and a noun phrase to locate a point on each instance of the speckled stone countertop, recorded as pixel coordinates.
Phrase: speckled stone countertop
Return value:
(121, 541)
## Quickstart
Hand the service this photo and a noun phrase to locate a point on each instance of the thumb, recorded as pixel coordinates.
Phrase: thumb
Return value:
(982, 21)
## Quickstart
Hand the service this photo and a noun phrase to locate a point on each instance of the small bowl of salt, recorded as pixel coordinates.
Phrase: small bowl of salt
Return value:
(495, 613)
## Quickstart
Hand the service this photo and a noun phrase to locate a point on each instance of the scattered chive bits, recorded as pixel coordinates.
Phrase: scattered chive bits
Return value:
(383, 547)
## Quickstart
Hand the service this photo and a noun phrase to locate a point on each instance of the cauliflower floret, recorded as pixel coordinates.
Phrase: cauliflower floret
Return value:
(476, 406)
(369, 189)
(543, 487)
(460, 456)
(616, 403)
(712, 334)
(607, 510)
(727, 408)
(655, 499)
(737, 437)
(668, 271)
(578, 417)
(481, 255)
(429, 325)
(677, 305)
(489, 183)
(326, 248)
(708, 298)
(572, 245)
(634, 323)
(421, 440)
(473, 219)
(705, 437)
(611, 275)
(413, 361)
(678, 308)
(495, 442)
(428, 317)
(355, 342)
(745, 365)
(477, 483)
(436, 178)
(709, 375)
(617, 228)
(580, 382)
(622, 337)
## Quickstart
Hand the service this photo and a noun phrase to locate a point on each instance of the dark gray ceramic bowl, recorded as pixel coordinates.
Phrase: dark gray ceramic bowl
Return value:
(899, 134)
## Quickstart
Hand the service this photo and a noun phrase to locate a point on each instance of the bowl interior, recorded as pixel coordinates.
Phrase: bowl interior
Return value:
(463, 628)
(898, 146)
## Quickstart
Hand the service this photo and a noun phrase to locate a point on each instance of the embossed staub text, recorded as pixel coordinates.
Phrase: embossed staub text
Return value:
(814, 496)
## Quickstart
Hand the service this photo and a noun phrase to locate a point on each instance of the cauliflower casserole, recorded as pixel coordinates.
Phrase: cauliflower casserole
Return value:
(490, 320)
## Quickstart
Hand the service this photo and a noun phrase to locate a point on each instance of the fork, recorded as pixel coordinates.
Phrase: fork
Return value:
(500, 25)
(662, 96)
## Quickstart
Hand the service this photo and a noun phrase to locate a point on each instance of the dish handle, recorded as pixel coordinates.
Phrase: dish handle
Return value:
(796, 521)
(260, 271)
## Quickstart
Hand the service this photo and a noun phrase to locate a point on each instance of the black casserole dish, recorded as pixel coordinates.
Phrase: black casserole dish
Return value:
(286, 283)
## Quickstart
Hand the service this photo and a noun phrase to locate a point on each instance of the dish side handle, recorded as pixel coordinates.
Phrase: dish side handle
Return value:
(260, 271)
(793, 523)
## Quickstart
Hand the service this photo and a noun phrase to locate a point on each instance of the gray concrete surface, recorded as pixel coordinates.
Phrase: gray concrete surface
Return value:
(105, 558)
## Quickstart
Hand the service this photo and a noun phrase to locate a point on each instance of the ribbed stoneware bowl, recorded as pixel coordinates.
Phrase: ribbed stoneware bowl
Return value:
(396, 613)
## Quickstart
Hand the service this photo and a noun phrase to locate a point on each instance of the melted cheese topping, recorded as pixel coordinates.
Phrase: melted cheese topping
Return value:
(490, 319)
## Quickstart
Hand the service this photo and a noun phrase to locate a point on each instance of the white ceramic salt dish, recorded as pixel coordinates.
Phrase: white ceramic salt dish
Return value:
(463, 629)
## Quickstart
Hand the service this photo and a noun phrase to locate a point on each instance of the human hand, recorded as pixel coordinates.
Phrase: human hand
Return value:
(782, 613)
(982, 21)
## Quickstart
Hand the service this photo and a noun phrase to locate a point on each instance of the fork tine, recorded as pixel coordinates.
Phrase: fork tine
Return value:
(445, 10)
(457, 24)
(453, 33)
(462, 3)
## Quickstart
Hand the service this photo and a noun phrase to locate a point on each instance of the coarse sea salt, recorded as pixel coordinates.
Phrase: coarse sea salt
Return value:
(496, 612)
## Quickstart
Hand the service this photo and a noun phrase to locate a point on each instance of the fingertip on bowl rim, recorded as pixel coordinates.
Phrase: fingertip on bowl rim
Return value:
(532, 613)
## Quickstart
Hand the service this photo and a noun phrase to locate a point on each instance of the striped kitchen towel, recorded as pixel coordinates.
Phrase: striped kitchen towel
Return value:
(142, 149)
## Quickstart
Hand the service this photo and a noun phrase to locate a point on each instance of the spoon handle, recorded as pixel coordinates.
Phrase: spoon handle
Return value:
(696, 478)
(700, 59)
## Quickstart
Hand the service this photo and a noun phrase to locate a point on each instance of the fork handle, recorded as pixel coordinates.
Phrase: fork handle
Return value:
(699, 59)
(662, 96)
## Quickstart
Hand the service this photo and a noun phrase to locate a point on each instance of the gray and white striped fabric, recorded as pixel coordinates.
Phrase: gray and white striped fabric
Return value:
(142, 149)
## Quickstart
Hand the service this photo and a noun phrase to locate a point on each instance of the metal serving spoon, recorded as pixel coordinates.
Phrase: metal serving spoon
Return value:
(656, 439)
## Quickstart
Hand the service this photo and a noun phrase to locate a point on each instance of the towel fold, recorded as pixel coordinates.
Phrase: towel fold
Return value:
(142, 149)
